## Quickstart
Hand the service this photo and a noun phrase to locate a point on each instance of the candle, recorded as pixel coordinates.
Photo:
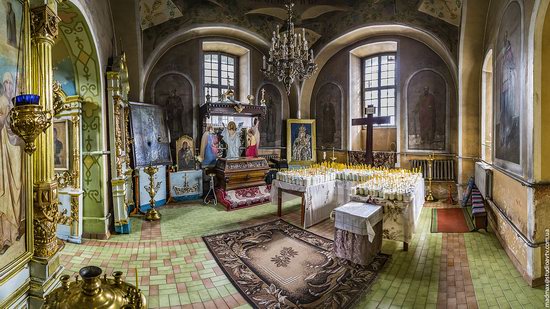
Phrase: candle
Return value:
(136, 278)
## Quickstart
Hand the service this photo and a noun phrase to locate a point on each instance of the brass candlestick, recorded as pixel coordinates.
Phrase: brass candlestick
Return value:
(333, 158)
(152, 214)
(429, 195)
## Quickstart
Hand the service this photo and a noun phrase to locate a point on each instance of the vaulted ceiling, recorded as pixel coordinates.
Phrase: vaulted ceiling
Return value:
(323, 20)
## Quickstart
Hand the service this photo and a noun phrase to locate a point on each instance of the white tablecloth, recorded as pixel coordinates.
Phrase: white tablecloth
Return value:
(321, 199)
(400, 217)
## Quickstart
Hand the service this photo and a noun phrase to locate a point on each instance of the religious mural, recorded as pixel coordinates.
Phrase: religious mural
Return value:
(63, 70)
(12, 206)
(508, 86)
(447, 10)
(271, 126)
(328, 112)
(150, 135)
(154, 12)
(61, 145)
(301, 148)
(427, 102)
(175, 94)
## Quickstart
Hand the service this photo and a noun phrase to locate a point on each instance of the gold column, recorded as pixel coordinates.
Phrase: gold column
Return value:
(43, 33)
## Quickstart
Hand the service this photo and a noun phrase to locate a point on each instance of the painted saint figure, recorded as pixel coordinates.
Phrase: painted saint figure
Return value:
(174, 113)
(58, 148)
(426, 116)
(328, 125)
(186, 159)
(257, 132)
(11, 26)
(11, 180)
(251, 143)
(509, 110)
(209, 147)
(301, 147)
(232, 139)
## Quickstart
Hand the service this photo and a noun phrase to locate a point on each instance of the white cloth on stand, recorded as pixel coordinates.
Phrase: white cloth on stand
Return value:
(320, 200)
(358, 218)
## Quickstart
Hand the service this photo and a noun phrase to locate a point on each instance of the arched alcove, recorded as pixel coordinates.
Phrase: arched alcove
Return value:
(372, 31)
(186, 35)
(487, 108)
(271, 128)
(328, 112)
(175, 92)
(81, 45)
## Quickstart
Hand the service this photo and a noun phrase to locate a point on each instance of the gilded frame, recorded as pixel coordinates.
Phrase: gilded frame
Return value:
(11, 269)
(293, 125)
(179, 145)
(64, 139)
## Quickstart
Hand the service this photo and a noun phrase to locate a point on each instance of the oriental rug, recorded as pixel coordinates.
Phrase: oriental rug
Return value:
(279, 265)
(451, 220)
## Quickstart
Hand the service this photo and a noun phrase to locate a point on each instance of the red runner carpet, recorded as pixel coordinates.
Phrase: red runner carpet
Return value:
(451, 220)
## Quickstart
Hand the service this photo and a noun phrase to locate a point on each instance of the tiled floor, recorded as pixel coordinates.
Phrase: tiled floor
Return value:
(176, 270)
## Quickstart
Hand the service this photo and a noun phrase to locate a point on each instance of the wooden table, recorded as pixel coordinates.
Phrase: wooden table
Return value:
(301, 194)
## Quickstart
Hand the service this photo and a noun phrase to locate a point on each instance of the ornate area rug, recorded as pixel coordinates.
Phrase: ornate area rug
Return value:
(278, 265)
(451, 220)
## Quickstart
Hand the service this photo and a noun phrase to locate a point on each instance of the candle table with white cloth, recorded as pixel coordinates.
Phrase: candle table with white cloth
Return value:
(358, 232)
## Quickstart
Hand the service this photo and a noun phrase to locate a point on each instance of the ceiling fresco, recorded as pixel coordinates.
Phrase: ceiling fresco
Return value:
(446, 10)
(324, 20)
(156, 12)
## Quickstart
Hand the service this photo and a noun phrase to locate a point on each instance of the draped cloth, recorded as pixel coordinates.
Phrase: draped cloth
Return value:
(400, 217)
(320, 200)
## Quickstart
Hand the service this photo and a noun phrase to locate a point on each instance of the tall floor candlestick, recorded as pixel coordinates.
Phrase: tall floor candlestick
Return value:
(429, 195)
(152, 214)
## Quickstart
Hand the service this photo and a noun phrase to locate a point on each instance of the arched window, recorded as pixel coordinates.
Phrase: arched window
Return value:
(220, 71)
(378, 84)
(487, 109)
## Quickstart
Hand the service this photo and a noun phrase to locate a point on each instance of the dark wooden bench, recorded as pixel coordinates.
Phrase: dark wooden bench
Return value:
(479, 213)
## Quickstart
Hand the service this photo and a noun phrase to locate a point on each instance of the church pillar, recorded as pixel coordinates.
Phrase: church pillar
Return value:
(45, 264)
(470, 60)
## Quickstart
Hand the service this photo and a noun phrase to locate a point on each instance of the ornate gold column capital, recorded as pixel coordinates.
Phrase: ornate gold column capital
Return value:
(44, 23)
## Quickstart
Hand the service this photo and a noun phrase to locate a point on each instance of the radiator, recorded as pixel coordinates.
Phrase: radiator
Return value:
(443, 170)
(484, 179)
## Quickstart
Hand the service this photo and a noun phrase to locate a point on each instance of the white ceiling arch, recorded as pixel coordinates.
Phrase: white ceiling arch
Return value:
(357, 35)
(187, 34)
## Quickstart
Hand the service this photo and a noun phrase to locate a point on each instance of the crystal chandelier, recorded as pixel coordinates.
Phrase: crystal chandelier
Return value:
(289, 56)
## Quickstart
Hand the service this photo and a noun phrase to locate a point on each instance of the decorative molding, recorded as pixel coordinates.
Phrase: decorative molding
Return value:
(44, 23)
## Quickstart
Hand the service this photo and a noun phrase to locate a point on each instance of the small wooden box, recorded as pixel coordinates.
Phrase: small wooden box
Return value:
(240, 173)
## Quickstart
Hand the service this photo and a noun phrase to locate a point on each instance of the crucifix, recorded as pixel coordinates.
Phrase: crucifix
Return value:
(370, 121)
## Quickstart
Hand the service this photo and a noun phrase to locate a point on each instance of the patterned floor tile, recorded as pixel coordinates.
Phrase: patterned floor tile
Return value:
(175, 268)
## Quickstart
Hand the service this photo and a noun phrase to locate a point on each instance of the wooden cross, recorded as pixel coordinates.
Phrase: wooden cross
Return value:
(370, 121)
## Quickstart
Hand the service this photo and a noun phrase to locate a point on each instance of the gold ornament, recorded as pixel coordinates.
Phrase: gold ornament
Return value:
(429, 195)
(44, 23)
(152, 189)
(28, 121)
(95, 292)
